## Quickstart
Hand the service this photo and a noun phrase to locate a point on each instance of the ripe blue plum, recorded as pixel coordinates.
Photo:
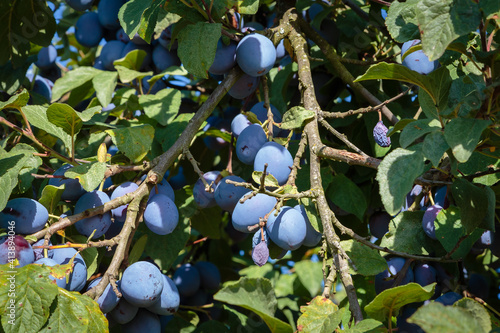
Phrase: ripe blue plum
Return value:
(120, 213)
(178, 181)
(163, 58)
(169, 300)
(380, 135)
(88, 30)
(209, 274)
(43, 88)
(144, 321)
(110, 52)
(250, 140)
(61, 283)
(80, 5)
(248, 213)
(163, 187)
(288, 229)
(25, 215)
(46, 57)
(78, 277)
(417, 61)
(424, 274)
(312, 236)
(244, 87)
(227, 195)
(203, 198)
(141, 284)
(441, 197)
(449, 298)
(122, 36)
(428, 220)
(15, 247)
(225, 58)
(99, 223)
(187, 279)
(255, 54)
(108, 300)
(280, 50)
(161, 215)
(410, 197)
(385, 280)
(485, 240)
(239, 123)
(124, 312)
(108, 13)
(72, 187)
(39, 252)
(278, 158)
(199, 299)
(379, 224)
(166, 38)
(130, 46)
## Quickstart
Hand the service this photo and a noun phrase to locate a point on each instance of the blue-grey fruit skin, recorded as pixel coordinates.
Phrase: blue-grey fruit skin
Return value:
(141, 284)
(169, 300)
(72, 187)
(380, 135)
(78, 277)
(244, 87)
(88, 30)
(99, 223)
(417, 61)
(108, 300)
(26, 215)
(255, 54)
(250, 140)
(225, 58)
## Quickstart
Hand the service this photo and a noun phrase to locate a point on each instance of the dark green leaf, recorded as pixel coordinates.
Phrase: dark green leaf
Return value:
(296, 117)
(435, 317)
(310, 275)
(472, 202)
(24, 22)
(65, 117)
(416, 129)
(396, 175)
(31, 164)
(138, 249)
(211, 327)
(407, 235)
(167, 136)
(208, 222)
(367, 261)
(400, 125)
(347, 195)
(434, 147)
(489, 7)
(393, 299)
(402, 22)
(134, 141)
(130, 15)
(320, 315)
(163, 106)
(197, 46)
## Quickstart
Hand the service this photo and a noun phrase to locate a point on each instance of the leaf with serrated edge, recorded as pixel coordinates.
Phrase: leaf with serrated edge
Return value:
(367, 325)
(104, 85)
(72, 80)
(393, 299)
(268, 181)
(296, 117)
(163, 106)
(367, 261)
(476, 310)
(34, 293)
(37, 117)
(321, 315)
(134, 141)
(90, 175)
(51, 196)
(435, 317)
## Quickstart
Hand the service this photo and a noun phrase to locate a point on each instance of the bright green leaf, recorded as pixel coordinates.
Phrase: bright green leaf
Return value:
(296, 117)
(436, 317)
(366, 260)
(321, 315)
(163, 106)
(134, 141)
(90, 175)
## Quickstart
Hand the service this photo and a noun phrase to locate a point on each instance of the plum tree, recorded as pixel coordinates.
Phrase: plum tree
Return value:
(169, 300)
(110, 52)
(288, 229)
(187, 279)
(108, 300)
(120, 213)
(202, 197)
(227, 195)
(225, 58)
(72, 187)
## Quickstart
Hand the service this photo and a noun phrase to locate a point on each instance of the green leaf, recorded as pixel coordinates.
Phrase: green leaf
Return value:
(428, 106)
(434, 147)
(167, 136)
(130, 15)
(310, 275)
(128, 75)
(417, 129)
(16, 101)
(211, 326)
(407, 235)
(248, 7)
(12, 77)
(396, 174)
(393, 299)
(197, 46)
(11, 165)
(137, 250)
(312, 213)
(400, 125)
(279, 78)
(344, 193)
(367, 261)
(65, 117)
(32, 298)
(24, 22)
(72, 80)
(132, 61)
(321, 315)
(465, 95)
(435, 317)
(31, 164)
(256, 295)
(489, 7)
(51, 196)
(462, 134)
(269, 181)
(367, 325)
(134, 141)
(165, 249)
(104, 85)
(472, 202)
(296, 117)
(450, 231)
(400, 73)
(401, 21)
(162, 107)
(476, 310)
(208, 222)
(37, 117)
(488, 222)
(90, 175)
